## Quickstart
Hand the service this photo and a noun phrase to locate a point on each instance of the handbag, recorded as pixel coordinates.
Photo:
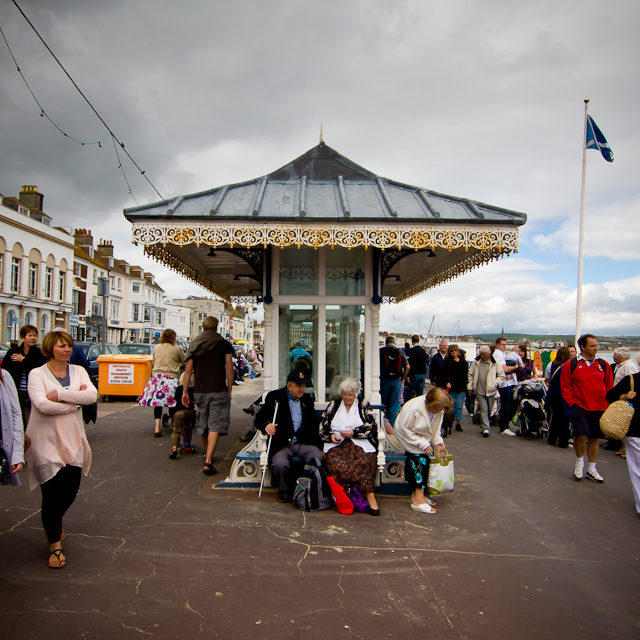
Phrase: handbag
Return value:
(343, 504)
(615, 421)
(441, 474)
(358, 499)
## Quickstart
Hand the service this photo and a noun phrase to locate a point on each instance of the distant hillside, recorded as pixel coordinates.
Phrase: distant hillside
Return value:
(532, 337)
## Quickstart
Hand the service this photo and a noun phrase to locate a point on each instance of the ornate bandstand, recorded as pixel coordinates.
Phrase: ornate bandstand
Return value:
(322, 242)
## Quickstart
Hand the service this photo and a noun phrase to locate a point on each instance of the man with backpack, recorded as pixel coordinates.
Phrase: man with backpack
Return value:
(584, 381)
(394, 368)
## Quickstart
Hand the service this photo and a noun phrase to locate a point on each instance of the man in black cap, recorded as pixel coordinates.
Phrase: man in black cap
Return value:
(294, 433)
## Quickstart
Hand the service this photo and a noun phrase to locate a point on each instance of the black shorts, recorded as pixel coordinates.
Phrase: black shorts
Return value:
(586, 423)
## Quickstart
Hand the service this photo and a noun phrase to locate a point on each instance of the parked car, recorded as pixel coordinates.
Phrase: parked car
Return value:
(136, 348)
(3, 350)
(91, 351)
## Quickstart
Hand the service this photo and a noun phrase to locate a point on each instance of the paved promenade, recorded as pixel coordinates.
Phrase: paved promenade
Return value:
(519, 550)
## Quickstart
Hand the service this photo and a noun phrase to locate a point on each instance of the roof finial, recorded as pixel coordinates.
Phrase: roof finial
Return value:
(321, 138)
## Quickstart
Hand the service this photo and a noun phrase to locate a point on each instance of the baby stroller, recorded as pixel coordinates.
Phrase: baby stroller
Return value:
(530, 397)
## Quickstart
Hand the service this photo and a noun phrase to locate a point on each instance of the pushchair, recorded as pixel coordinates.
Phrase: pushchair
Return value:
(530, 396)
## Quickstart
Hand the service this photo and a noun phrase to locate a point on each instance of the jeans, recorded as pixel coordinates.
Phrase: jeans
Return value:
(458, 398)
(485, 404)
(417, 384)
(390, 390)
(507, 407)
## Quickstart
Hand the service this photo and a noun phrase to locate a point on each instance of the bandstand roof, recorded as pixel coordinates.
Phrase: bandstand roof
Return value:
(322, 198)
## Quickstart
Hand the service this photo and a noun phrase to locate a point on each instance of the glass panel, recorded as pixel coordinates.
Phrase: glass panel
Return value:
(298, 271)
(344, 275)
(344, 345)
(298, 328)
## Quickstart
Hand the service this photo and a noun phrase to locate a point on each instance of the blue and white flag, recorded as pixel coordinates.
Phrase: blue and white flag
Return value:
(595, 140)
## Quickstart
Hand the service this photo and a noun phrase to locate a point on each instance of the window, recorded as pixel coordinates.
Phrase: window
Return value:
(61, 287)
(202, 316)
(48, 282)
(115, 309)
(136, 287)
(95, 276)
(135, 317)
(15, 275)
(75, 301)
(77, 269)
(159, 317)
(33, 279)
(96, 306)
(119, 284)
(1, 271)
(44, 324)
(147, 314)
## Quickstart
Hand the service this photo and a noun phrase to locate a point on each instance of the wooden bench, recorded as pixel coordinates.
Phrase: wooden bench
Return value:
(246, 469)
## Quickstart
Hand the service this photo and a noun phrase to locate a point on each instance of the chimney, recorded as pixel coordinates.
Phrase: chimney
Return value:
(83, 237)
(105, 248)
(30, 197)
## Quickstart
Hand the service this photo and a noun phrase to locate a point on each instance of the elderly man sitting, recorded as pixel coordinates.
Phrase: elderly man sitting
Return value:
(294, 433)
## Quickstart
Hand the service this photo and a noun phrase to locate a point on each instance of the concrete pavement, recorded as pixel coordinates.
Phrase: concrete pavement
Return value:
(518, 550)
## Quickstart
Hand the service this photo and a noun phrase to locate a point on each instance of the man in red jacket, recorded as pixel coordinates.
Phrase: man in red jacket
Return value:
(584, 381)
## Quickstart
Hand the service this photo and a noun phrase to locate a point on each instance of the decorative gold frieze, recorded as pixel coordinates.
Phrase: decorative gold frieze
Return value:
(486, 242)
(287, 235)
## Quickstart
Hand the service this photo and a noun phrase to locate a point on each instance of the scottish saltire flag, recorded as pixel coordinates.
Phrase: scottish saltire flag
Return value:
(595, 140)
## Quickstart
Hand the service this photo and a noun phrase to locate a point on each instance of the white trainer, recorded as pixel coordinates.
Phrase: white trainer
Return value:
(507, 432)
(595, 476)
(578, 470)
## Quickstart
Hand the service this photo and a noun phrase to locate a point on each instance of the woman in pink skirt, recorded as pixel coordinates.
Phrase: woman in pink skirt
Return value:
(168, 360)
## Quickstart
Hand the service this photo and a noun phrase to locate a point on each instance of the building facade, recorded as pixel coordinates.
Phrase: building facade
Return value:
(36, 267)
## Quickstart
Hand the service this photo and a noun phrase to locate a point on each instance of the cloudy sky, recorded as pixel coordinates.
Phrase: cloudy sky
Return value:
(483, 100)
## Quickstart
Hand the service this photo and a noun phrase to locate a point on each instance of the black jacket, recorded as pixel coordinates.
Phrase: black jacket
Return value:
(436, 371)
(32, 360)
(308, 433)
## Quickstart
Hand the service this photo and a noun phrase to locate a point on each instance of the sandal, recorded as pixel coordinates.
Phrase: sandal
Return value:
(61, 561)
(209, 469)
(174, 454)
(157, 434)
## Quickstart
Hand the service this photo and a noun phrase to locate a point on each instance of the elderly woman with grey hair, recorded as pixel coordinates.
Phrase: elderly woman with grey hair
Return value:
(348, 429)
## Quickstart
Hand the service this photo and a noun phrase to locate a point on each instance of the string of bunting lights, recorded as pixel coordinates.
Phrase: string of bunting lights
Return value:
(44, 114)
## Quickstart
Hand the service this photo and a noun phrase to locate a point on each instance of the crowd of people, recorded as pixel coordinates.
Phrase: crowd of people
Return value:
(44, 384)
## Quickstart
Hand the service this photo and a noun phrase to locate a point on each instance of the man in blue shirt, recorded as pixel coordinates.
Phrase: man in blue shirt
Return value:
(295, 432)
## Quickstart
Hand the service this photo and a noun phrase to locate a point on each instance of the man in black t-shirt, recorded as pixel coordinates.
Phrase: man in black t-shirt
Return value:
(210, 358)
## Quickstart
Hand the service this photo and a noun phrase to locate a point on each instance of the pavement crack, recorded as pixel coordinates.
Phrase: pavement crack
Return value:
(141, 580)
(190, 608)
(15, 526)
(290, 539)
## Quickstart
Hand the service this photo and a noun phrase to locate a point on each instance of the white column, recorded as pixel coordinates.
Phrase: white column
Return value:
(270, 365)
(372, 354)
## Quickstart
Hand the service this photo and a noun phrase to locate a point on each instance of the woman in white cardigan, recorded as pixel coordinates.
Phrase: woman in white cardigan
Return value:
(417, 429)
(59, 451)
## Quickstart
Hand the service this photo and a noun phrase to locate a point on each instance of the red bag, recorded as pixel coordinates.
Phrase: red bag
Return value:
(340, 497)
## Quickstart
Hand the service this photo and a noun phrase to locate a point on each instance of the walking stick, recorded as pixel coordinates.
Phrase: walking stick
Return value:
(266, 464)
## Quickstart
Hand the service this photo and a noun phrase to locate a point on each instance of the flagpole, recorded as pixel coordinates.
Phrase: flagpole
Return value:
(581, 241)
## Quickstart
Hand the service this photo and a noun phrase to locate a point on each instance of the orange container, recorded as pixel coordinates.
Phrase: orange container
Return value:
(123, 375)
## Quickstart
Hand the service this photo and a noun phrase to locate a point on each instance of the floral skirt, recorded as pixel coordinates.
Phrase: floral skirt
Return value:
(159, 392)
(350, 465)
(416, 470)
